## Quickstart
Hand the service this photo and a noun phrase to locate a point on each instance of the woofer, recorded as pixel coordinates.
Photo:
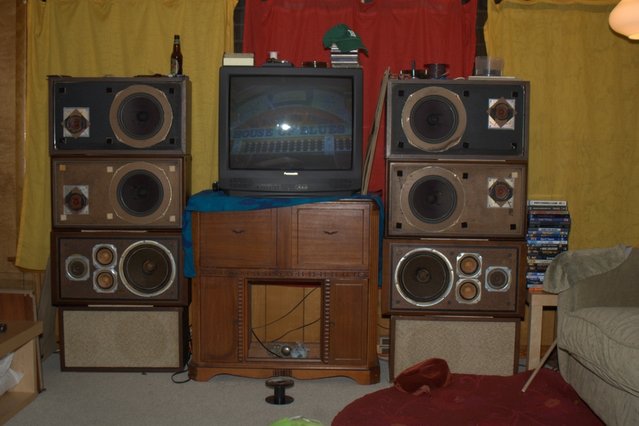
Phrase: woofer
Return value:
(147, 268)
(423, 277)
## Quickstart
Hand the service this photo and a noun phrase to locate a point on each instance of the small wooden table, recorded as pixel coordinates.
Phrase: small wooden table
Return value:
(20, 337)
(536, 301)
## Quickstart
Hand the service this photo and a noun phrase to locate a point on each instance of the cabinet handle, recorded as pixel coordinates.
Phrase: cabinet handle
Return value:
(331, 232)
(237, 231)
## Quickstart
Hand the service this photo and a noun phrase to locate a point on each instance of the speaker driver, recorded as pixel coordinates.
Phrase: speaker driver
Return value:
(77, 267)
(140, 192)
(147, 268)
(432, 198)
(423, 277)
(141, 116)
(497, 278)
(433, 119)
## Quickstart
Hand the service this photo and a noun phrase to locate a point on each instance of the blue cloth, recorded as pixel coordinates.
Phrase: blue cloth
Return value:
(218, 201)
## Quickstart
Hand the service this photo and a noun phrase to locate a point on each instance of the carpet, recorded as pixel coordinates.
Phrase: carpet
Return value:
(471, 399)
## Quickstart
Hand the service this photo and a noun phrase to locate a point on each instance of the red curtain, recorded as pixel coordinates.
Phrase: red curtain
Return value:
(395, 32)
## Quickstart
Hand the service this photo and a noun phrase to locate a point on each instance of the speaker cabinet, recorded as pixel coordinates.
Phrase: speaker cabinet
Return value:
(456, 199)
(141, 268)
(124, 192)
(122, 339)
(118, 115)
(469, 345)
(463, 119)
(460, 277)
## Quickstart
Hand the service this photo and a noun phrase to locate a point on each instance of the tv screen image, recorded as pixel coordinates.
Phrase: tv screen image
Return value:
(288, 131)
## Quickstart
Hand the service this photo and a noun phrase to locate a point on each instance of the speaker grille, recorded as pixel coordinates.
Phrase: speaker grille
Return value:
(134, 339)
(469, 346)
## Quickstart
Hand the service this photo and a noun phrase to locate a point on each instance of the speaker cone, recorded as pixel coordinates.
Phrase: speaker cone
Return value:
(432, 198)
(141, 116)
(147, 268)
(423, 277)
(140, 192)
(433, 119)
(497, 278)
(468, 291)
(77, 267)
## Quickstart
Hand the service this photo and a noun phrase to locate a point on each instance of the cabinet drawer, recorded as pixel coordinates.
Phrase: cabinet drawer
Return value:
(331, 236)
(245, 239)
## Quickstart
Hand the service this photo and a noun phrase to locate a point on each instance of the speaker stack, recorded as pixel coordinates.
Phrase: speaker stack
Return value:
(119, 181)
(454, 246)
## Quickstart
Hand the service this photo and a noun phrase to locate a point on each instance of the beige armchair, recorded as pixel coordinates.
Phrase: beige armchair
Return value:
(598, 328)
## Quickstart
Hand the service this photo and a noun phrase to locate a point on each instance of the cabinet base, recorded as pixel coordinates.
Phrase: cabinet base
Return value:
(368, 376)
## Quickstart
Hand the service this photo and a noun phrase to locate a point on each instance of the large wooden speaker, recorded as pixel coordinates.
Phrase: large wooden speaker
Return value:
(456, 199)
(469, 345)
(118, 115)
(118, 192)
(462, 119)
(122, 339)
(458, 277)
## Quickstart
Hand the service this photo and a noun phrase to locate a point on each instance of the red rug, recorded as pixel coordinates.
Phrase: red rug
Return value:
(475, 400)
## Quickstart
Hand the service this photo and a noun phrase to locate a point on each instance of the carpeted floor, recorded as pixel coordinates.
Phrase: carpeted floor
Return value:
(475, 400)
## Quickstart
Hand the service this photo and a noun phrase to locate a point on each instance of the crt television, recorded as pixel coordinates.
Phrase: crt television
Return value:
(290, 132)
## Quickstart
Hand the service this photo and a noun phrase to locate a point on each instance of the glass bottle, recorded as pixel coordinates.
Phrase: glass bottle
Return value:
(176, 57)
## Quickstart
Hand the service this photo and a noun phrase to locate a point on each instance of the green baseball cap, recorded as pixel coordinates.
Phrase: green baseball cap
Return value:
(344, 38)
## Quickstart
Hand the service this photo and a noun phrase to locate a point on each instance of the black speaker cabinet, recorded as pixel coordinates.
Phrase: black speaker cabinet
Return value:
(142, 268)
(469, 345)
(122, 338)
(462, 119)
(460, 277)
(123, 192)
(118, 115)
(456, 199)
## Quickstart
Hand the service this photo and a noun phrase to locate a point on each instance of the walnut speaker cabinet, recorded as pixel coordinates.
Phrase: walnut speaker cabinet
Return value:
(122, 339)
(462, 119)
(469, 345)
(141, 268)
(119, 192)
(457, 277)
(118, 115)
(456, 199)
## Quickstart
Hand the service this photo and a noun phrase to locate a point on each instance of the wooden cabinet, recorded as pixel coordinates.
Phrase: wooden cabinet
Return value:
(288, 291)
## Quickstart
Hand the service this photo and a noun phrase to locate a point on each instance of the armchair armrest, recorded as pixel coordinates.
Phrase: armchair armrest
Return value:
(594, 277)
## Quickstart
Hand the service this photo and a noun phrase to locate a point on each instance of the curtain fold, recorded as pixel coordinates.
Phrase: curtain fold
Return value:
(395, 32)
(584, 129)
(118, 38)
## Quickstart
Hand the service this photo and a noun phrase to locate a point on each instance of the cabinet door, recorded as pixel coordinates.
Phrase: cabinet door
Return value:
(244, 239)
(217, 324)
(331, 236)
(348, 310)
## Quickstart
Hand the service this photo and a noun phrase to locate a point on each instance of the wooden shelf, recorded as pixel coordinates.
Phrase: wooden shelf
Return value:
(21, 338)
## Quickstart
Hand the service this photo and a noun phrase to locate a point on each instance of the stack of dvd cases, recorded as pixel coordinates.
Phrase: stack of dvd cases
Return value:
(547, 236)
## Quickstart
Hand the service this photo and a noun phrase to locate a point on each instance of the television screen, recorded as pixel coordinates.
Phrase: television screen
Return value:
(290, 130)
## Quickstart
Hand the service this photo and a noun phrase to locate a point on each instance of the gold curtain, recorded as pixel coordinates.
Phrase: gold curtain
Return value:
(584, 121)
(118, 38)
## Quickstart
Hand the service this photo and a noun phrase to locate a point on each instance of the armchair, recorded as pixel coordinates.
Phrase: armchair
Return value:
(598, 328)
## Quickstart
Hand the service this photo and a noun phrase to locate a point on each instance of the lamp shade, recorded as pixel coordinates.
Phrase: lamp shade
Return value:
(624, 18)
